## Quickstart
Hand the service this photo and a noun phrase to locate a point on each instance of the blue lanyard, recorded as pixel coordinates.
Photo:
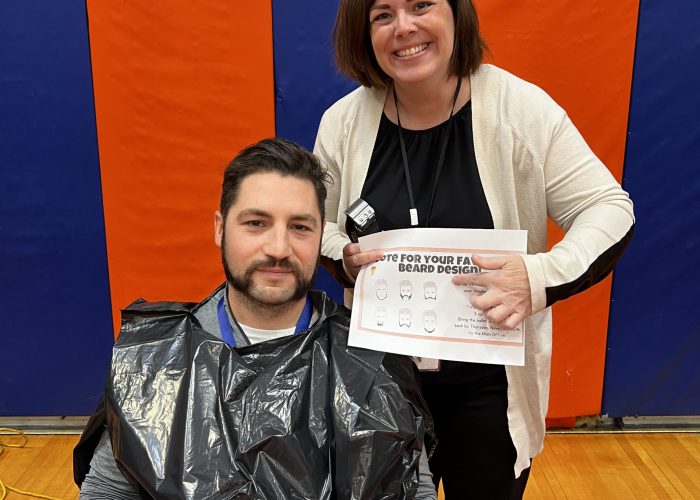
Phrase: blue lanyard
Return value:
(227, 329)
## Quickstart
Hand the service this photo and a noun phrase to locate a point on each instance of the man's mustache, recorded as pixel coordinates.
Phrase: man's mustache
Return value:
(272, 262)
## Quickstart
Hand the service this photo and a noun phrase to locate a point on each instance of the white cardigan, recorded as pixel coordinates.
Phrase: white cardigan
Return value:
(533, 163)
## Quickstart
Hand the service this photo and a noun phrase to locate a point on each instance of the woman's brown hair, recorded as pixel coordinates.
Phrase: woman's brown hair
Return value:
(353, 48)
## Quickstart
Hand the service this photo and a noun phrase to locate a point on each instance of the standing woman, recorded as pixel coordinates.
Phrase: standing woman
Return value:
(437, 138)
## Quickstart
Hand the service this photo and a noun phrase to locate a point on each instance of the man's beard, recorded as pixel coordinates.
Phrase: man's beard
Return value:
(244, 283)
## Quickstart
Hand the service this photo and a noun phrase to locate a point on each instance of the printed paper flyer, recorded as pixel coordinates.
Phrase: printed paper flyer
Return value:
(407, 303)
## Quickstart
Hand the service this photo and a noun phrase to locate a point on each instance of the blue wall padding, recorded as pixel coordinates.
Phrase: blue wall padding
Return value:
(56, 320)
(653, 357)
(306, 80)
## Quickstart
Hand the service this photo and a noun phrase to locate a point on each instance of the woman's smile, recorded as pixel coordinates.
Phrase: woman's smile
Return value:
(411, 51)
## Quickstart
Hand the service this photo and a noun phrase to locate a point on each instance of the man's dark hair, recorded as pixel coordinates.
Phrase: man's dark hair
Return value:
(274, 155)
(354, 55)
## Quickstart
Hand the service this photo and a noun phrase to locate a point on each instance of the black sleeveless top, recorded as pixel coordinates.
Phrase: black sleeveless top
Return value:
(460, 202)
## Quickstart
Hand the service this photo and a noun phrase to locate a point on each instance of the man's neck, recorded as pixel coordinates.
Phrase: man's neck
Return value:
(261, 316)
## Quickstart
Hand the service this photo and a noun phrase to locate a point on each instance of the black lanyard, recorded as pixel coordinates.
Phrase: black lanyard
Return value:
(413, 211)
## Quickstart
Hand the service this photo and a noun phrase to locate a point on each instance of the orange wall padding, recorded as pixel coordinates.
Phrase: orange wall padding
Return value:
(582, 54)
(180, 87)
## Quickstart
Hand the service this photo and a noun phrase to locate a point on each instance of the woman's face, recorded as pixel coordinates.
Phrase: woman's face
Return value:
(412, 39)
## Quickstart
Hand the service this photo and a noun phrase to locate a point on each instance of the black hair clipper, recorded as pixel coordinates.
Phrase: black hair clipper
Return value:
(360, 220)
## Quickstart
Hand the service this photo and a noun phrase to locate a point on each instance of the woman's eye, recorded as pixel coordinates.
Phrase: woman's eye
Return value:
(382, 16)
(423, 5)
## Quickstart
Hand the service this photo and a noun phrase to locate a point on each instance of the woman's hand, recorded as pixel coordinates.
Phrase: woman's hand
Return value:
(507, 300)
(354, 258)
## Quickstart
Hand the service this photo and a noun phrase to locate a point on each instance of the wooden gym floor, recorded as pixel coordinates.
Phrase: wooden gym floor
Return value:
(572, 466)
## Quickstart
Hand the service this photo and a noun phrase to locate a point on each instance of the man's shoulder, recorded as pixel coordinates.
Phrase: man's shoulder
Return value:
(207, 311)
(143, 319)
(142, 307)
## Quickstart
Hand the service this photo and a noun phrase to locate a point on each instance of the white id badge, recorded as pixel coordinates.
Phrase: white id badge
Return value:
(427, 364)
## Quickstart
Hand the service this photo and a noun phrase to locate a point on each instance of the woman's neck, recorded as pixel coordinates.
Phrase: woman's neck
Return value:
(426, 104)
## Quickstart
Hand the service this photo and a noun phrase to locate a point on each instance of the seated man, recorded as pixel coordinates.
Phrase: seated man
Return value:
(280, 416)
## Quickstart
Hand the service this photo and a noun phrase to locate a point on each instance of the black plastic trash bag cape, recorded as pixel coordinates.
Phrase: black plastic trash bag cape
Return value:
(300, 417)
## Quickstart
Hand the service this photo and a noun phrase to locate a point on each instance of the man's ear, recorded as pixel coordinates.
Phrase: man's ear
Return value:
(218, 228)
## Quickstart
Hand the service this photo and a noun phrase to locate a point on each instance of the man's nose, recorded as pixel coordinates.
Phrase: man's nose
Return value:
(277, 244)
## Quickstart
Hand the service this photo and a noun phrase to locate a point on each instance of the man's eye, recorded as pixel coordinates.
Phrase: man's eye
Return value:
(301, 228)
(254, 223)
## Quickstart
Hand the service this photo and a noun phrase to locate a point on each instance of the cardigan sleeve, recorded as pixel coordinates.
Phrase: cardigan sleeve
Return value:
(344, 145)
(585, 200)
(327, 149)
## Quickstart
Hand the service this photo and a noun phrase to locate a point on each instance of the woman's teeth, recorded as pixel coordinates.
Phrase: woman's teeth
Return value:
(412, 50)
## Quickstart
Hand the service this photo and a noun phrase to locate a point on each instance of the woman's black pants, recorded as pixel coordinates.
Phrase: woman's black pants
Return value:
(475, 455)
